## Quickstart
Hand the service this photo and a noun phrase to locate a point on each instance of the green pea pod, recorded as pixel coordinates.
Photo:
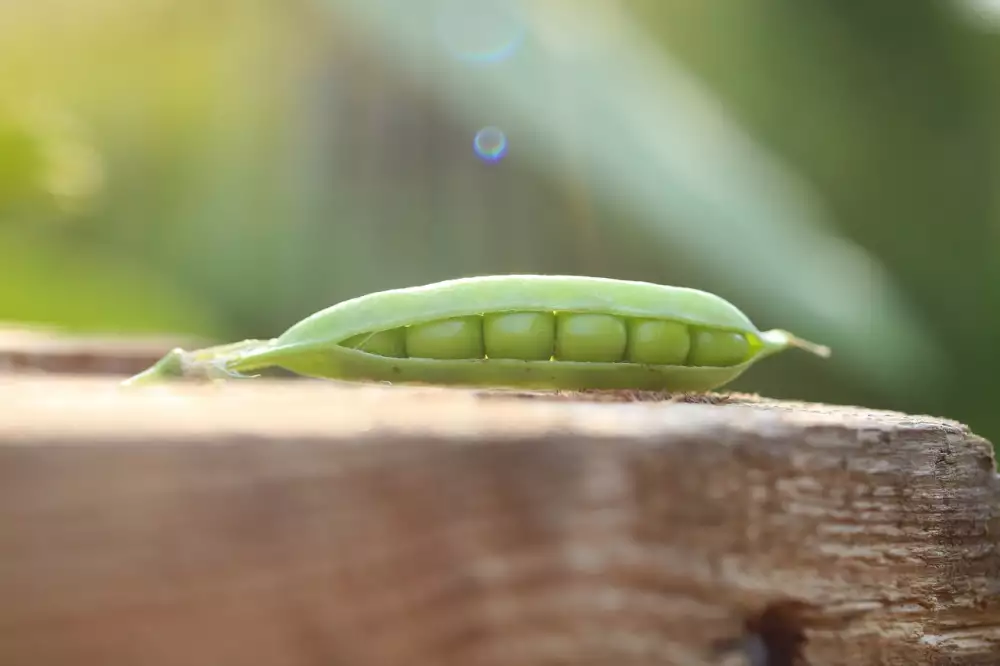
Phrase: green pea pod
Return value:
(530, 331)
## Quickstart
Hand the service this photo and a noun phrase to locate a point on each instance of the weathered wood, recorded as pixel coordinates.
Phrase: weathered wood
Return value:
(37, 350)
(302, 524)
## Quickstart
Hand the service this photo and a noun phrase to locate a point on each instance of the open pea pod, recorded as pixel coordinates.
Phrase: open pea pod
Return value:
(530, 331)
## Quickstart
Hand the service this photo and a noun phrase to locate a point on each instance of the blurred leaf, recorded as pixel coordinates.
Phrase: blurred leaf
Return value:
(663, 149)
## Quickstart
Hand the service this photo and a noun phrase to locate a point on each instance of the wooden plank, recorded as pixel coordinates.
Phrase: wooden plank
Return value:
(306, 524)
(38, 350)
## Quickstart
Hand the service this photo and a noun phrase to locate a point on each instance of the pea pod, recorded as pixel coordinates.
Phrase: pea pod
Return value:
(531, 331)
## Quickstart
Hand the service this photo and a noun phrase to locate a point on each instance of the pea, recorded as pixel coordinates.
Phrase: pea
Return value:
(657, 342)
(461, 337)
(383, 343)
(593, 338)
(718, 348)
(528, 336)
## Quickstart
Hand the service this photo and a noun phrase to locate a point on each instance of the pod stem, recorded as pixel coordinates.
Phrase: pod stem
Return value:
(210, 363)
(777, 340)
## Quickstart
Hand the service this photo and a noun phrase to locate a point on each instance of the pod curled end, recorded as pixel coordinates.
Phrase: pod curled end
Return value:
(220, 362)
(777, 340)
(171, 365)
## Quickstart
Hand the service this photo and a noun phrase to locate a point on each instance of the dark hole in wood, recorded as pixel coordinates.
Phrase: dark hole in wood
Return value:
(781, 628)
(773, 636)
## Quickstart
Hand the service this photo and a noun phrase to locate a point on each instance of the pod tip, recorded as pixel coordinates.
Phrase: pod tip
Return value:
(171, 365)
(779, 339)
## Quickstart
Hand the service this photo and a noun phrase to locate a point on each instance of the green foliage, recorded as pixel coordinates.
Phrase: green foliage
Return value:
(76, 287)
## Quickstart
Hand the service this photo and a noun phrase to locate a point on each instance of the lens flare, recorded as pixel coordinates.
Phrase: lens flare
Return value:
(480, 31)
(490, 144)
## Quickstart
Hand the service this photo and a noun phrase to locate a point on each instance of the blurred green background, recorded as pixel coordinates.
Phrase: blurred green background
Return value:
(226, 167)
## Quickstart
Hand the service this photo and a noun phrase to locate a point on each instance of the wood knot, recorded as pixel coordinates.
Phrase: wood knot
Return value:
(773, 636)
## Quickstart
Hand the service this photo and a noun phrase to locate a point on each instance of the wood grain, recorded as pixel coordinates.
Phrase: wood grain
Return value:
(307, 524)
(38, 350)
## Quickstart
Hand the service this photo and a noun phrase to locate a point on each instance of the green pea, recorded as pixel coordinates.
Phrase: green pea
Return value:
(461, 337)
(528, 336)
(541, 331)
(593, 338)
(657, 342)
(718, 348)
(390, 343)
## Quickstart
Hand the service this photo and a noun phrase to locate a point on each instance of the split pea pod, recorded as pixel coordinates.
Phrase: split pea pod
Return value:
(530, 331)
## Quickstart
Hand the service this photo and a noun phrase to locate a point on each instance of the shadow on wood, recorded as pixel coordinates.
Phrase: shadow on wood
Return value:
(306, 524)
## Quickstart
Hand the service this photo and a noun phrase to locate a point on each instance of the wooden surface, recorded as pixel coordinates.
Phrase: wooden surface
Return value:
(35, 350)
(306, 524)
